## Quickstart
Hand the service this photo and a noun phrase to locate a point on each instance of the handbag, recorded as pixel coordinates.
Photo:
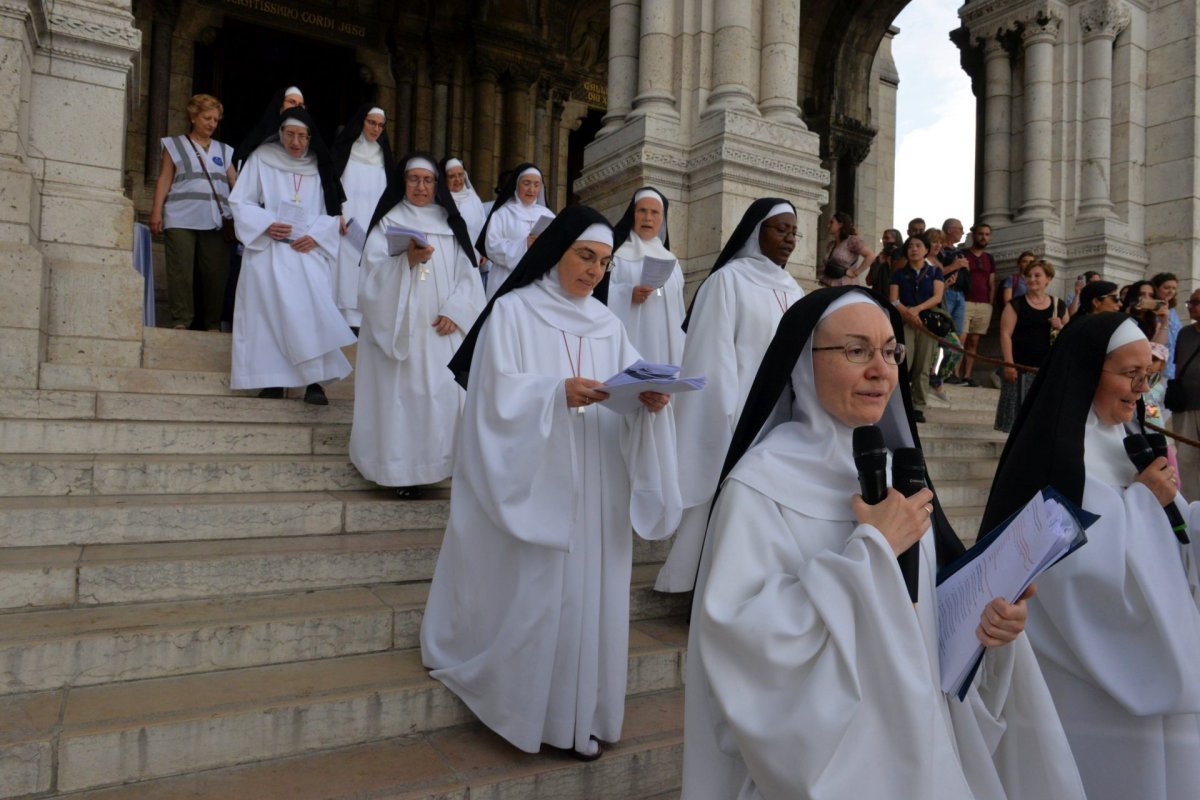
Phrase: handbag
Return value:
(227, 228)
(1175, 398)
(937, 322)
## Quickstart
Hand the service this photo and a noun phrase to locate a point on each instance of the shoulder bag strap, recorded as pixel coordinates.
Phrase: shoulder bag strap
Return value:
(208, 178)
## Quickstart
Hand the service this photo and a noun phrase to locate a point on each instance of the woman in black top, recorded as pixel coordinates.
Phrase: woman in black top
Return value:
(1027, 329)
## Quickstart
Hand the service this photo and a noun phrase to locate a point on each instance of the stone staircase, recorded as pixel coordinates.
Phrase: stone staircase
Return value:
(200, 598)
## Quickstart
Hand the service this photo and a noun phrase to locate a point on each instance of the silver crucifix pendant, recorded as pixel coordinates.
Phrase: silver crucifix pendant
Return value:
(581, 410)
(424, 272)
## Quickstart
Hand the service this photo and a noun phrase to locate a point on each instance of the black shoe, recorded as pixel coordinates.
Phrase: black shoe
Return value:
(315, 395)
(919, 416)
(274, 393)
(953, 380)
(590, 756)
(410, 492)
(970, 382)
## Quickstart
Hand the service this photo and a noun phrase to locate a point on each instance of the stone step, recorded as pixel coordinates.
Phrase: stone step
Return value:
(68, 474)
(937, 448)
(981, 417)
(200, 408)
(958, 469)
(966, 522)
(979, 397)
(182, 438)
(205, 351)
(146, 729)
(143, 380)
(978, 429)
(462, 763)
(89, 646)
(43, 521)
(43, 404)
(964, 493)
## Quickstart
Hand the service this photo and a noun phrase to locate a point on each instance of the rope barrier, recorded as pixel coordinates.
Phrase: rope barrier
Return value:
(1022, 368)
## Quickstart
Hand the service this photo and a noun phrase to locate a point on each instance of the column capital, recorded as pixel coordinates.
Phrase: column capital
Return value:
(1042, 28)
(1103, 19)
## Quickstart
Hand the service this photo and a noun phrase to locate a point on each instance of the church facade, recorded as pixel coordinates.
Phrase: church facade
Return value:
(1086, 141)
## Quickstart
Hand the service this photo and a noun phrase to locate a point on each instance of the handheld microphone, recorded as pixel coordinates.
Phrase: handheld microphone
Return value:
(870, 459)
(1158, 443)
(908, 478)
(1142, 455)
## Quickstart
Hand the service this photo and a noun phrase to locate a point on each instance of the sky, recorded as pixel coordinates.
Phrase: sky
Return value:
(935, 118)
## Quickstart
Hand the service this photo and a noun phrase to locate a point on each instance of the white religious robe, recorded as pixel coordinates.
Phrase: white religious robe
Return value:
(508, 239)
(733, 321)
(407, 406)
(1117, 631)
(528, 615)
(810, 675)
(656, 326)
(363, 184)
(287, 330)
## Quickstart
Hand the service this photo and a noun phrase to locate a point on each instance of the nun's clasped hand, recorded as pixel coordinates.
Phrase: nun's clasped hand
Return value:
(902, 520)
(1002, 621)
(654, 401)
(583, 392)
(279, 230)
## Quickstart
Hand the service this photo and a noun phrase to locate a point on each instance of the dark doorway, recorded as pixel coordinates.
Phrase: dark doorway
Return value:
(578, 140)
(247, 63)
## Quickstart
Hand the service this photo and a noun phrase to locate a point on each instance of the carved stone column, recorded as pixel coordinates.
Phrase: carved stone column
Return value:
(1038, 40)
(622, 62)
(1101, 21)
(997, 132)
(539, 126)
(404, 68)
(732, 42)
(779, 81)
(484, 134)
(656, 60)
(553, 175)
(516, 117)
(442, 71)
(162, 31)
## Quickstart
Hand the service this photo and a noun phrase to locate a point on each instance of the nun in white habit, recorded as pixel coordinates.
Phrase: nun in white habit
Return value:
(810, 672)
(528, 616)
(417, 307)
(286, 207)
(507, 232)
(729, 326)
(465, 197)
(363, 159)
(1115, 626)
(653, 317)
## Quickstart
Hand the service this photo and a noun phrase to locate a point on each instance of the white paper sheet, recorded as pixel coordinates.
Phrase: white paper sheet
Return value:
(641, 376)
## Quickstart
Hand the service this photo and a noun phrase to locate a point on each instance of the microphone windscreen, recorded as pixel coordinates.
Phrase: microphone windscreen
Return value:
(868, 443)
(1158, 444)
(908, 470)
(1139, 451)
(870, 459)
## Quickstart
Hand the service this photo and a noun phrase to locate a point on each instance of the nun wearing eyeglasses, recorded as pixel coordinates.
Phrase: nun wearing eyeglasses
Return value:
(528, 615)
(729, 326)
(1115, 626)
(286, 209)
(363, 159)
(810, 672)
(653, 316)
(508, 231)
(417, 307)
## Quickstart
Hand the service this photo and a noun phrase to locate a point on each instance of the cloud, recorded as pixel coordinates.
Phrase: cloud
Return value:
(935, 118)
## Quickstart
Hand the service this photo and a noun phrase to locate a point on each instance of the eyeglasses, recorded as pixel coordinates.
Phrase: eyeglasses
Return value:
(1193, 303)
(786, 231)
(1136, 377)
(419, 180)
(893, 353)
(295, 136)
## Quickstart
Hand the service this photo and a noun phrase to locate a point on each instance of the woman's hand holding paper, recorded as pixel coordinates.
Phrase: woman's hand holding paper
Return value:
(1002, 622)
(654, 401)
(583, 392)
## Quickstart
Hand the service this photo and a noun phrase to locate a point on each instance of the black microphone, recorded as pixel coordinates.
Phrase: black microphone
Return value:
(1158, 443)
(870, 459)
(908, 478)
(1142, 455)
